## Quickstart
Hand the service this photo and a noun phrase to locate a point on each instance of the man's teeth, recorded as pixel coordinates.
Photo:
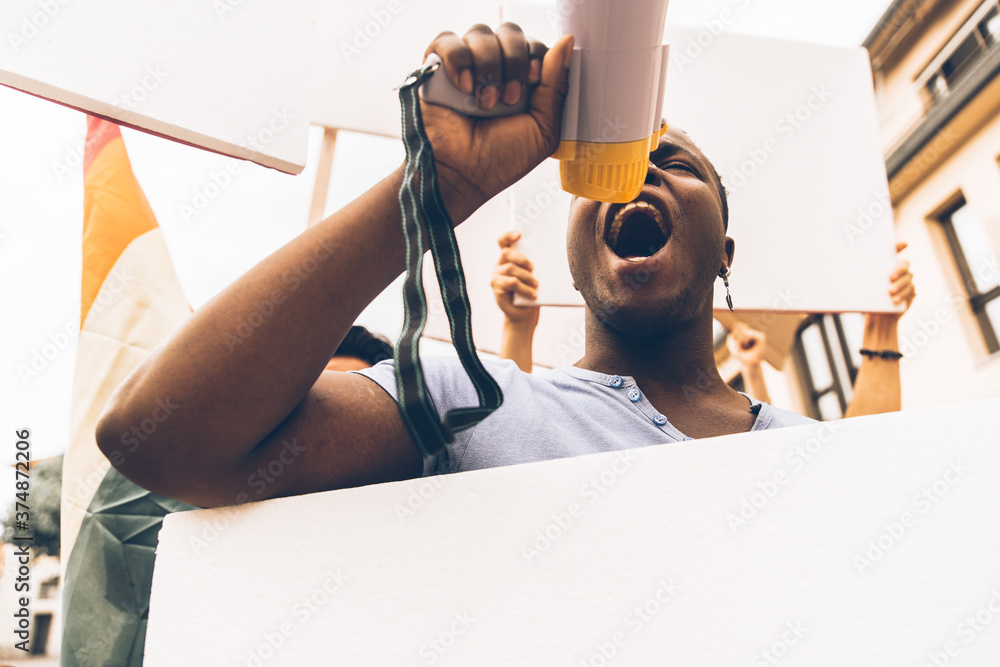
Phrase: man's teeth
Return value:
(616, 223)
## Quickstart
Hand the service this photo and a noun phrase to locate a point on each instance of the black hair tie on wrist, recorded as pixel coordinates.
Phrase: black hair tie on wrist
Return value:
(882, 354)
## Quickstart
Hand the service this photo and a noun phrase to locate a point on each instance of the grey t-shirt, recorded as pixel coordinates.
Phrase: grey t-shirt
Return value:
(552, 414)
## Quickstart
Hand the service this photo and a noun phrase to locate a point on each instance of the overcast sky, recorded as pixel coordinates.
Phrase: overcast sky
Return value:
(41, 212)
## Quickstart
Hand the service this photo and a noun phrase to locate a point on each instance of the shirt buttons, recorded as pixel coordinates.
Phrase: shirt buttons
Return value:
(616, 381)
(634, 395)
(660, 419)
(686, 438)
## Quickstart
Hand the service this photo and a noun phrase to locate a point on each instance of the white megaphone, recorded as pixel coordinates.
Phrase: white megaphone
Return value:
(612, 117)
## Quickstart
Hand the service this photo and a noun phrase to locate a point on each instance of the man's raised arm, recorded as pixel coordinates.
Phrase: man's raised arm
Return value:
(241, 385)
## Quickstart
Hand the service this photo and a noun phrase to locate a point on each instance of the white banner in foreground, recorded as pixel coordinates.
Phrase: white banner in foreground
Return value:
(871, 541)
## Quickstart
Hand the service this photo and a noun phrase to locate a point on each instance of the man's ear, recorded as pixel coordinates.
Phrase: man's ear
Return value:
(730, 252)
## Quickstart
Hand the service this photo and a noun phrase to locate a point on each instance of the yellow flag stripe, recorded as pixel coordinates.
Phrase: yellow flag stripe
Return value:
(115, 212)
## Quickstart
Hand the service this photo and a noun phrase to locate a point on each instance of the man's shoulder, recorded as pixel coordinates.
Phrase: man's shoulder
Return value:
(443, 374)
(449, 365)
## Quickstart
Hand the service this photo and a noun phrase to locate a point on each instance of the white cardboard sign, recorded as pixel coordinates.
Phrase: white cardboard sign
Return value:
(364, 49)
(792, 129)
(871, 541)
(226, 76)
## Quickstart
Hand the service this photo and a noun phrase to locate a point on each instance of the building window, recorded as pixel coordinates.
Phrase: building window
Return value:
(49, 588)
(982, 36)
(827, 358)
(968, 50)
(990, 27)
(938, 87)
(977, 266)
(40, 634)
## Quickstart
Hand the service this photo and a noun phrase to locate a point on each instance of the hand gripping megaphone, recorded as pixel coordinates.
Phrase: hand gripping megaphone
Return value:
(611, 122)
(612, 117)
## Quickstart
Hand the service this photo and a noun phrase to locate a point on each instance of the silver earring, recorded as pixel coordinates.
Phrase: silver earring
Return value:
(725, 281)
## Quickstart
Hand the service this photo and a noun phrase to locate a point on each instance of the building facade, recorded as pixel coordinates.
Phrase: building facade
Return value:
(936, 70)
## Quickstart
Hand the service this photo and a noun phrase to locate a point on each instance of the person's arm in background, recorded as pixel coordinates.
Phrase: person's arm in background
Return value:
(877, 388)
(204, 417)
(512, 275)
(747, 346)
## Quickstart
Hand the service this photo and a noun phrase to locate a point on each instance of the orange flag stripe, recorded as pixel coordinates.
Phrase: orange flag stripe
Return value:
(115, 210)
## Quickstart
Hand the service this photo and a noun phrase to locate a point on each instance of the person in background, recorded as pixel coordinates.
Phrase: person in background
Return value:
(747, 346)
(513, 275)
(877, 387)
(360, 349)
(876, 390)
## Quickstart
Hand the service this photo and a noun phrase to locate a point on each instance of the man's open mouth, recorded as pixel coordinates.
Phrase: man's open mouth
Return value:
(637, 231)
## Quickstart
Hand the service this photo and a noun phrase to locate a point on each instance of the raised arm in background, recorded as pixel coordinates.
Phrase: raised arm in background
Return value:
(239, 391)
(747, 346)
(877, 388)
(512, 275)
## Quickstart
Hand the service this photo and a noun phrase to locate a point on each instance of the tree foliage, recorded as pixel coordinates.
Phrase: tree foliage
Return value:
(44, 496)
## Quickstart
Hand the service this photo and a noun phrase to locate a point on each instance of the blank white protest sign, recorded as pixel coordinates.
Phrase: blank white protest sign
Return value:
(862, 542)
(364, 49)
(230, 77)
(793, 131)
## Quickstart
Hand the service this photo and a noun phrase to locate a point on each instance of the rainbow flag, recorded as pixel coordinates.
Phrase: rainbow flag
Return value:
(130, 299)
